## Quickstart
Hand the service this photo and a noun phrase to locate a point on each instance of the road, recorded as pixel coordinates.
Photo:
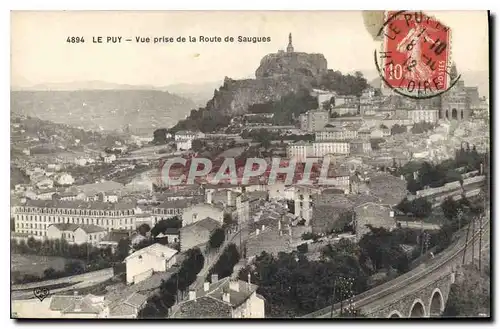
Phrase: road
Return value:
(20, 291)
(231, 238)
(415, 279)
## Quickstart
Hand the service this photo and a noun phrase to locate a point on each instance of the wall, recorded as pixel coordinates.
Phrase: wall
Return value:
(191, 237)
(252, 308)
(136, 265)
(142, 276)
(201, 211)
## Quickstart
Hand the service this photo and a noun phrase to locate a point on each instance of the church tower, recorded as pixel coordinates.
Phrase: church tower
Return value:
(289, 48)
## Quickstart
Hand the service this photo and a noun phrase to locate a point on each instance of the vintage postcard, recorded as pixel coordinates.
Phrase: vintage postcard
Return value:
(261, 164)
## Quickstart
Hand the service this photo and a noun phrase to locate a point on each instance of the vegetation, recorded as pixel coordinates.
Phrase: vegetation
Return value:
(420, 208)
(470, 295)
(288, 108)
(344, 84)
(310, 236)
(164, 224)
(217, 238)
(203, 120)
(375, 143)
(158, 305)
(398, 129)
(445, 172)
(294, 286)
(422, 127)
(265, 136)
(95, 258)
(225, 264)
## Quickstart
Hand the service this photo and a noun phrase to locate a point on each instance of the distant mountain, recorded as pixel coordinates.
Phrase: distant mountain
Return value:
(200, 93)
(136, 111)
(81, 85)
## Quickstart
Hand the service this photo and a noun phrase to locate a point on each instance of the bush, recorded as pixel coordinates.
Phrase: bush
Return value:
(303, 248)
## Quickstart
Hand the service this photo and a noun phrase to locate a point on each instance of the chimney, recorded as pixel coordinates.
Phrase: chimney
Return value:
(208, 196)
(226, 297)
(206, 286)
(215, 278)
(229, 197)
(249, 277)
(192, 294)
(234, 285)
(263, 228)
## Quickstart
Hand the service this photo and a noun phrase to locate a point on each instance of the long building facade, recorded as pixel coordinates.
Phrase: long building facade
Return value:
(35, 216)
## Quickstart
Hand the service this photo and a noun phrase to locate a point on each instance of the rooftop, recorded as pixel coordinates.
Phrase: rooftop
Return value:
(211, 302)
(157, 250)
(78, 204)
(73, 227)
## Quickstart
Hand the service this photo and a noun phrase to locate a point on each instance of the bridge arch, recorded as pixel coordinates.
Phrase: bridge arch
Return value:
(417, 309)
(395, 314)
(436, 303)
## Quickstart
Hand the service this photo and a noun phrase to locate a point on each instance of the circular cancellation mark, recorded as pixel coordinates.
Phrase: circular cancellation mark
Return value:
(415, 56)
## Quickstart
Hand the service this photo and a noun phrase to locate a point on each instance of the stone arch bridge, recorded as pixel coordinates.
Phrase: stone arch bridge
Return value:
(421, 292)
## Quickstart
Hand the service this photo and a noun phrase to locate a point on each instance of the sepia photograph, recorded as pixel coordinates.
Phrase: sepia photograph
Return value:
(250, 165)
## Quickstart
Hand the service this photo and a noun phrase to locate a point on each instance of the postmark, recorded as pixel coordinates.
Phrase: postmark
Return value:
(41, 293)
(415, 55)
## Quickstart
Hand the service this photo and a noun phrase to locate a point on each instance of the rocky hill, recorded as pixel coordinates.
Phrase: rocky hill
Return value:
(278, 74)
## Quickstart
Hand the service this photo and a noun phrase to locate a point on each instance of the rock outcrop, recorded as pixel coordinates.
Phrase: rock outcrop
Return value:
(277, 75)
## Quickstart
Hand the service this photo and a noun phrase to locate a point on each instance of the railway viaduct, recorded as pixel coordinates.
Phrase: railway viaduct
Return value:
(421, 292)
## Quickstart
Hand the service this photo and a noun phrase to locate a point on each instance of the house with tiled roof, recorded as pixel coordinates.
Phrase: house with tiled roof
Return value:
(76, 233)
(127, 308)
(146, 261)
(197, 233)
(374, 214)
(327, 208)
(200, 211)
(226, 298)
(114, 236)
(77, 307)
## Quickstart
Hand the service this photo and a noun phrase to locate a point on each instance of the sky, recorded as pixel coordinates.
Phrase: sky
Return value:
(41, 54)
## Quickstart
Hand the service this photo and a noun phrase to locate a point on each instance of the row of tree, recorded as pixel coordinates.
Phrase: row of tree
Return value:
(224, 266)
(71, 267)
(173, 289)
(431, 175)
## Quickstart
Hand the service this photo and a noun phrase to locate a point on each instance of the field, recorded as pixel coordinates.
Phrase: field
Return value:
(34, 264)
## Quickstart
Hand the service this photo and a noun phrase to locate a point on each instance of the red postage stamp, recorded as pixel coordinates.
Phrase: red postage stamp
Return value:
(416, 53)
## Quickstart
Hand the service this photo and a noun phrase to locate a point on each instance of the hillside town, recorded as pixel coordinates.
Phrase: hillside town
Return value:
(406, 177)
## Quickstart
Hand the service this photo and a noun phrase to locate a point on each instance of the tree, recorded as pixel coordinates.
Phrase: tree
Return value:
(228, 220)
(197, 145)
(123, 249)
(303, 248)
(49, 273)
(450, 208)
(160, 136)
(225, 264)
(398, 129)
(217, 238)
(470, 295)
(144, 229)
(73, 268)
(164, 224)
(420, 207)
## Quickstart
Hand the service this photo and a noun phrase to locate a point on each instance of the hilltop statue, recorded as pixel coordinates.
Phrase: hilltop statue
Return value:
(289, 48)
